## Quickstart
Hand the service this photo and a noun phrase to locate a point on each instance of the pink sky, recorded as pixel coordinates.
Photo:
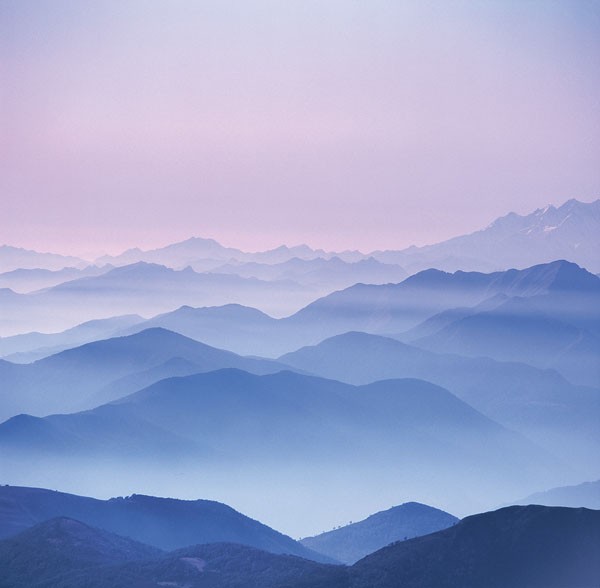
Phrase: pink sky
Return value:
(341, 124)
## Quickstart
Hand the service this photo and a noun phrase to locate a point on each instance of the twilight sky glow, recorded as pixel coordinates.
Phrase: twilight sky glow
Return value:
(342, 124)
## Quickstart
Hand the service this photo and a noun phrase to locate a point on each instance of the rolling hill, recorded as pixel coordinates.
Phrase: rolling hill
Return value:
(98, 372)
(282, 430)
(354, 541)
(164, 523)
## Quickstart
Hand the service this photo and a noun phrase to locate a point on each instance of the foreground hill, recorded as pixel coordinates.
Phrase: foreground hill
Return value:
(164, 523)
(517, 547)
(353, 542)
(105, 370)
(65, 553)
(229, 430)
(63, 546)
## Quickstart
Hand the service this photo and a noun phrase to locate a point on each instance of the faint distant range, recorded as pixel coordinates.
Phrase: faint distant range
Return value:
(571, 231)
(585, 495)
(547, 315)
(201, 272)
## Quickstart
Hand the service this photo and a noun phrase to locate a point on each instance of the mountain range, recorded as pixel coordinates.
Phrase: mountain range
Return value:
(552, 310)
(278, 282)
(581, 495)
(516, 547)
(163, 523)
(102, 371)
(282, 430)
(540, 403)
(125, 290)
(570, 231)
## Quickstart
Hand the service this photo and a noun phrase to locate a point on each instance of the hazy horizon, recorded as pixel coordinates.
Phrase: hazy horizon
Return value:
(115, 249)
(340, 125)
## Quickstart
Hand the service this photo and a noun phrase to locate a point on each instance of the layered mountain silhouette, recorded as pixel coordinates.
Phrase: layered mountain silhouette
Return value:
(208, 254)
(323, 274)
(570, 231)
(14, 258)
(539, 403)
(98, 372)
(30, 280)
(30, 347)
(67, 553)
(146, 289)
(581, 495)
(164, 523)
(520, 547)
(354, 541)
(225, 424)
(57, 551)
(290, 277)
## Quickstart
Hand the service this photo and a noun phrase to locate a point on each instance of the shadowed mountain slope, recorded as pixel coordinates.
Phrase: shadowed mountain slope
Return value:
(516, 547)
(63, 546)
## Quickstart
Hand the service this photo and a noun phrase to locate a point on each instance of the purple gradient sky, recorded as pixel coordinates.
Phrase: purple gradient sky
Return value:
(342, 124)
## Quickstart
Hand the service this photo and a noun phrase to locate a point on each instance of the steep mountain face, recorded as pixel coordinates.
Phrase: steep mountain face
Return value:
(164, 523)
(585, 495)
(516, 547)
(570, 231)
(353, 542)
(102, 371)
(216, 428)
(541, 404)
